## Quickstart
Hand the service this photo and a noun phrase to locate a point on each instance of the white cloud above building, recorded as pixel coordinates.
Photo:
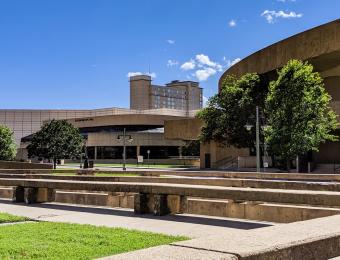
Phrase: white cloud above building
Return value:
(189, 65)
(272, 16)
(172, 63)
(151, 74)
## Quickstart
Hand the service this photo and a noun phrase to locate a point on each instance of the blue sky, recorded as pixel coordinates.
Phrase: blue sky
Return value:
(78, 53)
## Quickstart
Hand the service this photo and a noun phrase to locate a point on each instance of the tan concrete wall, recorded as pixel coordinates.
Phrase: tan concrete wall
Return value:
(128, 119)
(140, 90)
(139, 139)
(308, 45)
(183, 129)
(218, 153)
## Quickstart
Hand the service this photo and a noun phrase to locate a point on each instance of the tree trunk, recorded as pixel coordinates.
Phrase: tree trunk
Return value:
(288, 165)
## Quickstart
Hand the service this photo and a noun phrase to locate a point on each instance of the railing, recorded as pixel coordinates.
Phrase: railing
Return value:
(336, 167)
(184, 157)
(227, 163)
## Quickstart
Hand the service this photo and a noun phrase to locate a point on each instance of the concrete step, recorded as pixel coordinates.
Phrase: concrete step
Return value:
(225, 182)
(271, 212)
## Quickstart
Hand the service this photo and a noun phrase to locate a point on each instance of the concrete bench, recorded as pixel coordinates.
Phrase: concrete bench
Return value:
(41, 190)
(226, 182)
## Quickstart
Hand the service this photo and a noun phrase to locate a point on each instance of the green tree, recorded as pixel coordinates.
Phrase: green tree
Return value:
(298, 112)
(192, 148)
(8, 148)
(228, 112)
(57, 139)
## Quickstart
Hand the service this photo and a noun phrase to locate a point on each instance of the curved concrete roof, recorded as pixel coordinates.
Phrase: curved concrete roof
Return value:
(319, 45)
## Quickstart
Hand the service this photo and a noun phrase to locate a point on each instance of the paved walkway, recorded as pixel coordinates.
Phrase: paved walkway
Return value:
(188, 225)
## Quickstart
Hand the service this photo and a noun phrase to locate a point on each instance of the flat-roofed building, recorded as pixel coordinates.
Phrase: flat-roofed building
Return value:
(181, 95)
(102, 126)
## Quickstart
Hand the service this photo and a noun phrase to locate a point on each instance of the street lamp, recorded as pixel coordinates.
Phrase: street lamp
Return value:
(148, 151)
(124, 136)
(249, 127)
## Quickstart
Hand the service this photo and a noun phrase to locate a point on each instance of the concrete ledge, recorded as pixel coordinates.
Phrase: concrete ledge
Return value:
(307, 240)
(6, 192)
(224, 182)
(219, 174)
(271, 212)
(24, 165)
(311, 239)
(171, 253)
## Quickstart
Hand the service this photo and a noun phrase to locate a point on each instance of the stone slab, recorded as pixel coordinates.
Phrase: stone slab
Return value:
(247, 194)
(311, 239)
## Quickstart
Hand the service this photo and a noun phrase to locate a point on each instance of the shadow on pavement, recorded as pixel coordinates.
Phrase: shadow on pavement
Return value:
(193, 219)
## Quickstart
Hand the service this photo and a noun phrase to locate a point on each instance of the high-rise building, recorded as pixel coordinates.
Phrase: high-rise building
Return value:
(180, 95)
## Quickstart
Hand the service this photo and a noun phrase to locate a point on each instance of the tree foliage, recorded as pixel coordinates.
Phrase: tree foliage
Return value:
(192, 148)
(298, 112)
(228, 112)
(8, 148)
(57, 139)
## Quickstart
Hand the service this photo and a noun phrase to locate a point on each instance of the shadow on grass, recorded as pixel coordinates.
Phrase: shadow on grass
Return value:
(193, 219)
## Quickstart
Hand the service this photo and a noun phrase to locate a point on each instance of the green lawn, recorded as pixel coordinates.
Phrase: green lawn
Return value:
(8, 218)
(48, 240)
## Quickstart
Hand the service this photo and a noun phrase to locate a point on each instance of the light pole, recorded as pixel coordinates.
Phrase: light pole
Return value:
(148, 151)
(258, 152)
(124, 136)
(257, 140)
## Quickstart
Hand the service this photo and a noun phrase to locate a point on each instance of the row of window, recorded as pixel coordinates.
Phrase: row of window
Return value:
(116, 152)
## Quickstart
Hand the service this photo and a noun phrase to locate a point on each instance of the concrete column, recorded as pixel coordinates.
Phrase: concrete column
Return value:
(180, 151)
(45, 195)
(183, 207)
(138, 150)
(161, 205)
(18, 194)
(95, 153)
(31, 195)
(141, 203)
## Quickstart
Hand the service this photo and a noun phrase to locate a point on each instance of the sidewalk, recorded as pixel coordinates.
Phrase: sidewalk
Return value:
(193, 226)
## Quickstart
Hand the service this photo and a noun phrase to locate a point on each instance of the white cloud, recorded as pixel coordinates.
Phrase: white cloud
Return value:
(232, 23)
(204, 74)
(204, 60)
(131, 74)
(189, 65)
(206, 67)
(171, 41)
(271, 16)
(230, 63)
(283, 1)
(172, 63)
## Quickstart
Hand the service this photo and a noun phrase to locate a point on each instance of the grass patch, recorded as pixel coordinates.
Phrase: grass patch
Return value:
(8, 218)
(48, 240)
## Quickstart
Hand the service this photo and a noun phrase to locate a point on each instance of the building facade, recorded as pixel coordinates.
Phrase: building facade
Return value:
(320, 46)
(181, 95)
(102, 126)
